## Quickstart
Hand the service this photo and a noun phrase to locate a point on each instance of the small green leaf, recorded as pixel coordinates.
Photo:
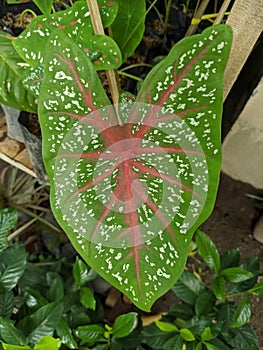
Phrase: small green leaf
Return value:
(226, 313)
(87, 298)
(80, 271)
(210, 346)
(44, 6)
(236, 274)
(242, 313)
(10, 334)
(230, 258)
(188, 288)
(7, 302)
(14, 347)
(208, 251)
(34, 299)
(8, 220)
(12, 265)
(219, 288)
(166, 327)
(207, 334)
(183, 311)
(125, 324)
(56, 291)
(198, 346)
(257, 289)
(90, 334)
(187, 335)
(65, 335)
(154, 337)
(205, 303)
(175, 343)
(48, 343)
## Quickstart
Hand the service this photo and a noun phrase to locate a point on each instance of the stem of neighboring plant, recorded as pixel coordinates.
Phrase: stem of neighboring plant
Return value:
(111, 74)
(136, 65)
(17, 232)
(197, 18)
(167, 14)
(24, 12)
(222, 11)
(129, 75)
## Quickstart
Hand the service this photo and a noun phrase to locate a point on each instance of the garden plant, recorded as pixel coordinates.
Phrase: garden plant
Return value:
(130, 181)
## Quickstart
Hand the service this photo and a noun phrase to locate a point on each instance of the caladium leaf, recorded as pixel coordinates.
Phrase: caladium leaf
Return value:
(131, 196)
(76, 23)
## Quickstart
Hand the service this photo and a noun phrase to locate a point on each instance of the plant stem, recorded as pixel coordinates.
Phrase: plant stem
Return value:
(17, 232)
(222, 12)
(197, 17)
(167, 14)
(129, 75)
(111, 74)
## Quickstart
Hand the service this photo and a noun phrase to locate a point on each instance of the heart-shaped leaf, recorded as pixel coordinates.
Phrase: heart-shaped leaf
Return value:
(75, 22)
(131, 196)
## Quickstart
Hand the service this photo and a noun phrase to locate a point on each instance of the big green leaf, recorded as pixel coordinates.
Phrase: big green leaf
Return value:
(75, 22)
(8, 220)
(65, 334)
(188, 288)
(131, 196)
(236, 274)
(12, 71)
(128, 27)
(90, 334)
(42, 323)
(12, 265)
(48, 343)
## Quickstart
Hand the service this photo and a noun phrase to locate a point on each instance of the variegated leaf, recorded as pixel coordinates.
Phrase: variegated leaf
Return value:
(131, 196)
(75, 22)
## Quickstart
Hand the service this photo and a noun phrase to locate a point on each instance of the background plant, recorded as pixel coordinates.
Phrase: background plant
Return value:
(56, 306)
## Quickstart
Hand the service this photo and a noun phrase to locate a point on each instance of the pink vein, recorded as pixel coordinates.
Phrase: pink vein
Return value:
(151, 171)
(155, 209)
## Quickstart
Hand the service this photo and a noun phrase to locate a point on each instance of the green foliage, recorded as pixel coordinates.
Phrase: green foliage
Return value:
(12, 71)
(49, 320)
(8, 220)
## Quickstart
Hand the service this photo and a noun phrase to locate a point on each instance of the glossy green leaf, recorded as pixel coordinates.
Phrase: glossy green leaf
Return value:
(125, 324)
(236, 274)
(242, 313)
(242, 338)
(12, 70)
(65, 335)
(183, 311)
(12, 265)
(80, 271)
(42, 323)
(210, 346)
(10, 334)
(230, 258)
(208, 251)
(257, 289)
(48, 343)
(166, 327)
(56, 291)
(207, 334)
(44, 6)
(90, 334)
(130, 341)
(219, 288)
(7, 302)
(87, 298)
(226, 313)
(175, 343)
(75, 22)
(8, 220)
(188, 288)
(187, 335)
(34, 299)
(34, 278)
(142, 252)
(128, 27)
(204, 303)
(14, 347)
(197, 324)
(154, 337)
